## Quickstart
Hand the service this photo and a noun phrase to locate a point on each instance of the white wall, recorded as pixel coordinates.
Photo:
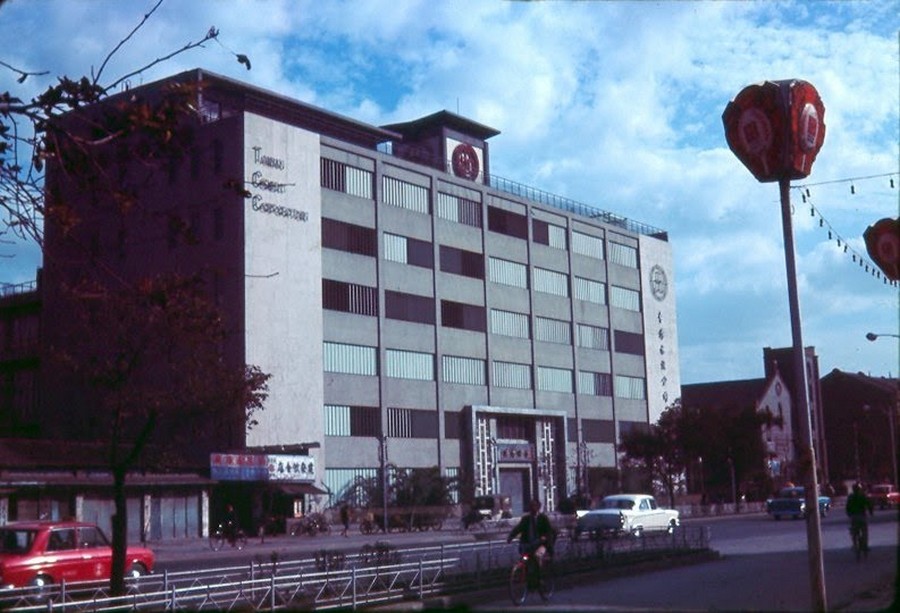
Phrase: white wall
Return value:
(660, 325)
(283, 279)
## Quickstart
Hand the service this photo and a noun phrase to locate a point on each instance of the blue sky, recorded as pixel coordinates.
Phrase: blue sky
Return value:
(615, 104)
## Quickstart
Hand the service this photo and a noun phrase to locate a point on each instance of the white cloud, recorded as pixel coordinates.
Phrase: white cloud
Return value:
(614, 104)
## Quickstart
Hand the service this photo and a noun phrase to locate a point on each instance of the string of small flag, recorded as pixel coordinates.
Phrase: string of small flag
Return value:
(856, 257)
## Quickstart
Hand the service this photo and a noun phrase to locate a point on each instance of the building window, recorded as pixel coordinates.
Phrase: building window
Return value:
(343, 483)
(349, 359)
(593, 337)
(458, 209)
(514, 428)
(453, 425)
(507, 323)
(462, 262)
(409, 307)
(349, 237)
(549, 234)
(629, 342)
(630, 387)
(407, 250)
(401, 364)
(510, 374)
(552, 331)
(594, 383)
(463, 316)
(507, 222)
(585, 244)
(342, 420)
(598, 431)
(347, 179)
(622, 255)
(589, 290)
(628, 299)
(551, 282)
(412, 423)
(467, 371)
(627, 427)
(508, 273)
(554, 379)
(405, 195)
(349, 298)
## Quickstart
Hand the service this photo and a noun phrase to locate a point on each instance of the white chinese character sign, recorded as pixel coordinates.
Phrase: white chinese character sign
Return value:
(262, 467)
(660, 326)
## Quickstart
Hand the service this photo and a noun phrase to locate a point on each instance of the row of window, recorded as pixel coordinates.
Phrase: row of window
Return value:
(363, 421)
(363, 360)
(363, 300)
(355, 181)
(360, 240)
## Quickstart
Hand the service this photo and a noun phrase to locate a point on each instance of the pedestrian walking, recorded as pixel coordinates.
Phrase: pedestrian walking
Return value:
(345, 517)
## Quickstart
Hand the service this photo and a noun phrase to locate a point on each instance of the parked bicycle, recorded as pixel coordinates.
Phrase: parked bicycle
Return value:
(532, 572)
(367, 524)
(311, 525)
(222, 534)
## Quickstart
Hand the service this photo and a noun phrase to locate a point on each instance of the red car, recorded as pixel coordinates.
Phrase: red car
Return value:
(884, 496)
(38, 553)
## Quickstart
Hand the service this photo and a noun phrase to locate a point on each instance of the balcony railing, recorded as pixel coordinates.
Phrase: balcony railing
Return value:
(542, 197)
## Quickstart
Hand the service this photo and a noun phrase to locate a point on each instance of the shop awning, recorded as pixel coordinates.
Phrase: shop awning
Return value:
(297, 489)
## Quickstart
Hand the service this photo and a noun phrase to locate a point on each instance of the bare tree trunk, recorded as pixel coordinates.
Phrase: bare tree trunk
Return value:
(119, 533)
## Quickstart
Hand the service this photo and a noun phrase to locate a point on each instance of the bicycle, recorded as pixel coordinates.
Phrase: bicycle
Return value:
(859, 538)
(235, 537)
(532, 571)
(367, 525)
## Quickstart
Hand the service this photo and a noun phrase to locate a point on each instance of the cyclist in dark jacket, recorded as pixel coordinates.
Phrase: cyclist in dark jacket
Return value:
(858, 505)
(534, 529)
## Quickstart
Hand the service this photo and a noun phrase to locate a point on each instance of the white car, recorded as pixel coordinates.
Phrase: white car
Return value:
(626, 514)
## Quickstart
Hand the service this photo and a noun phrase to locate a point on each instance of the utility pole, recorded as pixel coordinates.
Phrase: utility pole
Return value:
(807, 451)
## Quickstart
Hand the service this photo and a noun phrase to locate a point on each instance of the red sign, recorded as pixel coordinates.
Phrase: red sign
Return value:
(776, 128)
(883, 244)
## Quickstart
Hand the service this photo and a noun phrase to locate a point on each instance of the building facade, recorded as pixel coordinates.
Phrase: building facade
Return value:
(861, 414)
(413, 309)
(769, 395)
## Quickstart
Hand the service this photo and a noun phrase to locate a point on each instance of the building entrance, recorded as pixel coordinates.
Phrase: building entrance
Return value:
(516, 483)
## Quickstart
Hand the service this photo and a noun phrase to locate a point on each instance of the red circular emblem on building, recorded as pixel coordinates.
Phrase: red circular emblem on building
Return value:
(465, 161)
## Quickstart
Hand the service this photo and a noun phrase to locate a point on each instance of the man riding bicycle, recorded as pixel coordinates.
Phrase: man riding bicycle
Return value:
(858, 504)
(534, 531)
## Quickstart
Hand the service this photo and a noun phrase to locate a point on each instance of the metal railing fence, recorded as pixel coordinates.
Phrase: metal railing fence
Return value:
(377, 574)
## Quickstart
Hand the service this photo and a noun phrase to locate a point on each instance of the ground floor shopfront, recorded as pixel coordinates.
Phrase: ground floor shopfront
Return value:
(159, 507)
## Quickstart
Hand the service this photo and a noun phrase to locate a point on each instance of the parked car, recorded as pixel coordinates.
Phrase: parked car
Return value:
(38, 553)
(791, 502)
(626, 514)
(884, 495)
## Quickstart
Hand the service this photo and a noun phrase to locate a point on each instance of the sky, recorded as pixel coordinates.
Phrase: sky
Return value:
(614, 104)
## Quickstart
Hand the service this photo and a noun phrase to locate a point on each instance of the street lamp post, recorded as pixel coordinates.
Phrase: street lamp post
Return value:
(893, 434)
(384, 481)
(873, 337)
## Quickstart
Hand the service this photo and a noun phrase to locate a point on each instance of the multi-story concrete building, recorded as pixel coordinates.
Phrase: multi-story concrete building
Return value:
(412, 308)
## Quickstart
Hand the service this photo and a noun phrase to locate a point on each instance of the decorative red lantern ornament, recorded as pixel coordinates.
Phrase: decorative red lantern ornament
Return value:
(883, 244)
(776, 128)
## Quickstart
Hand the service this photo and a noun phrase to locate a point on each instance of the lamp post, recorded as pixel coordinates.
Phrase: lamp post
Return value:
(893, 434)
(384, 481)
(890, 412)
(873, 337)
